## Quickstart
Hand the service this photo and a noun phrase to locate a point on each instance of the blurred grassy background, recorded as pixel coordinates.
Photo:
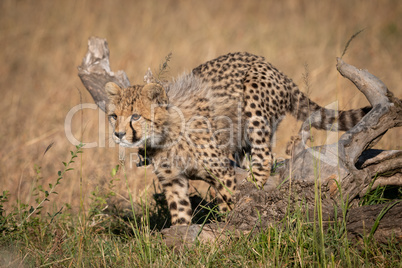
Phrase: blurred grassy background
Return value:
(42, 43)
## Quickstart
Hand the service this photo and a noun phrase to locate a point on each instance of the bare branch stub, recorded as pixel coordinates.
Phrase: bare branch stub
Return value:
(372, 87)
(95, 72)
(383, 115)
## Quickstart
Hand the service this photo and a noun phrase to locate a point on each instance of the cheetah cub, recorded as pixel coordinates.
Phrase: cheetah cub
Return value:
(191, 127)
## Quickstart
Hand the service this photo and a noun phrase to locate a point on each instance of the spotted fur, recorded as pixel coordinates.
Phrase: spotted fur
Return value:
(193, 126)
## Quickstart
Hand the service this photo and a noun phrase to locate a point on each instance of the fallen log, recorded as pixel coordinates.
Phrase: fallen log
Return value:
(341, 172)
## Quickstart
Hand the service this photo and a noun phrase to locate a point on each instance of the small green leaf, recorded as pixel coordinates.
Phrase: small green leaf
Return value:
(115, 170)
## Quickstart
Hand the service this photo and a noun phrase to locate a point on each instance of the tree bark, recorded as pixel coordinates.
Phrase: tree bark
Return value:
(95, 72)
(361, 222)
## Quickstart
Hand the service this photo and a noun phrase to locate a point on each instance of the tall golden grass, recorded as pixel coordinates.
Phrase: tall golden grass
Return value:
(42, 43)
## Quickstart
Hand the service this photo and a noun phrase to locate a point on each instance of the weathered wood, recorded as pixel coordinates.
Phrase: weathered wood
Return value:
(179, 236)
(385, 114)
(361, 222)
(95, 72)
(257, 210)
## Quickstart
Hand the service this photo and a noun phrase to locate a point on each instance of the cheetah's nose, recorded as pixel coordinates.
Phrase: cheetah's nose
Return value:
(120, 135)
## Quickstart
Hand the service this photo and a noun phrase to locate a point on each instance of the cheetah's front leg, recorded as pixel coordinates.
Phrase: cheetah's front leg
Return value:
(175, 187)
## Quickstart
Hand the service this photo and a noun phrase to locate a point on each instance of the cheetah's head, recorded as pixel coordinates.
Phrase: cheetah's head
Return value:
(137, 113)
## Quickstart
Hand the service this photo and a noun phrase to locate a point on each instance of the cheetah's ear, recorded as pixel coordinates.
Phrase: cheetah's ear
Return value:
(112, 90)
(155, 93)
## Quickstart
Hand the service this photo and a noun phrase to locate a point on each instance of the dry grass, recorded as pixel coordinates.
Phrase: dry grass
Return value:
(42, 42)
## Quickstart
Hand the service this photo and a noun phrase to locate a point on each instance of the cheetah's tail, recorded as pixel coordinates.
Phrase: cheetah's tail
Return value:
(322, 118)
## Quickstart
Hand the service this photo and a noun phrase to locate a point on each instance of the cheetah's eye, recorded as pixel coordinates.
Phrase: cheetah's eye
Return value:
(113, 116)
(135, 117)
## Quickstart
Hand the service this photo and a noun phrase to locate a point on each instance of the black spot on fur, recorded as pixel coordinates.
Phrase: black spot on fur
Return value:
(181, 221)
(184, 203)
(173, 206)
(189, 212)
